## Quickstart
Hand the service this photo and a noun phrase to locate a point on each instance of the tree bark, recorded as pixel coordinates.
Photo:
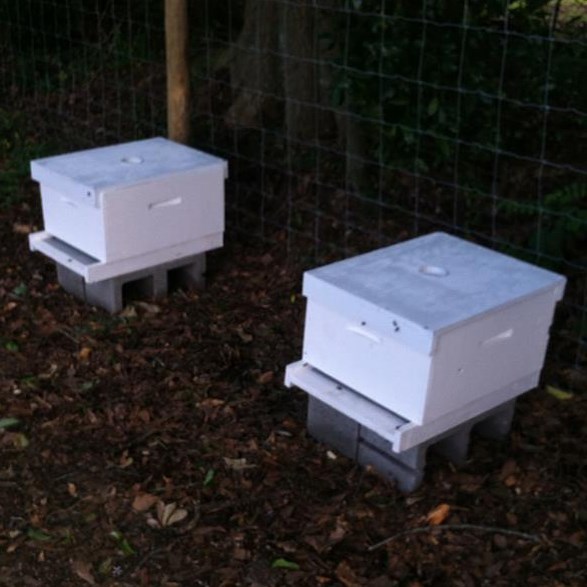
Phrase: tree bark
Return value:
(279, 56)
(254, 67)
(300, 73)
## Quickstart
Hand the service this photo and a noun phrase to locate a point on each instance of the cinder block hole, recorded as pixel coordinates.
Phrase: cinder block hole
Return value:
(178, 279)
(138, 289)
(182, 278)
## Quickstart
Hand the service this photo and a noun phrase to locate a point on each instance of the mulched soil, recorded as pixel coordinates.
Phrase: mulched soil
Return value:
(161, 448)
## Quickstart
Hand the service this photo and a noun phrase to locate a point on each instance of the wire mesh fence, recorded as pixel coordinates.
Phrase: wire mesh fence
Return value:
(348, 125)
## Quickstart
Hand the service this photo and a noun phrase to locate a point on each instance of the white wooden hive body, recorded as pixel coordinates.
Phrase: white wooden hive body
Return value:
(132, 201)
(430, 326)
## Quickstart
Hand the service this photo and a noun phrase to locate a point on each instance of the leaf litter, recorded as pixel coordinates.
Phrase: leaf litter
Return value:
(160, 447)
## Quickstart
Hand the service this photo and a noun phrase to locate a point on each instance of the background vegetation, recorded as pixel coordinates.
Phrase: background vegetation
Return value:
(348, 125)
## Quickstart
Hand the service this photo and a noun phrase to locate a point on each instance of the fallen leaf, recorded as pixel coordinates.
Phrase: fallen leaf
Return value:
(266, 377)
(123, 543)
(244, 336)
(149, 308)
(72, 489)
(38, 535)
(209, 477)
(347, 576)
(237, 464)
(129, 312)
(83, 571)
(438, 514)
(559, 393)
(508, 469)
(144, 501)
(125, 460)
(16, 544)
(19, 228)
(577, 538)
(20, 290)
(105, 566)
(152, 522)
(85, 353)
(282, 563)
(50, 373)
(15, 439)
(211, 402)
(241, 554)
(8, 422)
(339, 532)
(177, 516)
(169, 514)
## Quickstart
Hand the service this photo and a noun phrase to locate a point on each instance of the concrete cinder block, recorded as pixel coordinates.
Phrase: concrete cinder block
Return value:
(405, 468)
(333, 428)
(498, 423)
(150, 283)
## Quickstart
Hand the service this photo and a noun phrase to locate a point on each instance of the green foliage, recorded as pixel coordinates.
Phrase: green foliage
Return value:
(123, 544)
(16, 151)
(210, 474)
(8, 423)
(282, 563)
(38, 535)
(565, 227)
(453, 88)
(441, 84)
(560, 224)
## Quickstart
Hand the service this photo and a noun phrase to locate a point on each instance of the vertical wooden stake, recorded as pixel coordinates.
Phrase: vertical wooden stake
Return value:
(178, 71)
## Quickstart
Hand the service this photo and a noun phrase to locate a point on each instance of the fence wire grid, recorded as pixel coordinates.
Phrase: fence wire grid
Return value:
(347, 125)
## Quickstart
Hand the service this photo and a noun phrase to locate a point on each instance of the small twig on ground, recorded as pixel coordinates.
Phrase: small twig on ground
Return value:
(451, 527)
(67, 332)
(156, 429)
(153, 553)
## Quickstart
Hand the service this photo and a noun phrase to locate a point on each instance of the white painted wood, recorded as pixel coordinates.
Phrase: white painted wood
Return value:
(385, 370)
(128, 200)
(400, 433)
(94, 270)
(73, 221)
(343, 399)
(488, 354)
(428, 326)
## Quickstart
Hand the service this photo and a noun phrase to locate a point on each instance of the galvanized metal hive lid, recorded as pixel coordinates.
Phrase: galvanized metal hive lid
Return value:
(85, 174)
(435, 281)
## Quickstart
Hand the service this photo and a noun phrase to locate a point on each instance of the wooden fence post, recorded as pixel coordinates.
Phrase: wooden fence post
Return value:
(178, 71)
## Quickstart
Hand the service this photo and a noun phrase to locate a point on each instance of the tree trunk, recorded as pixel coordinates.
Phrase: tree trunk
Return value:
(299, 70)
(254, 66)
(279, 55)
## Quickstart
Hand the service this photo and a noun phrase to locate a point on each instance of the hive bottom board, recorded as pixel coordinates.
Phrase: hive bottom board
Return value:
(368, 448)
(151, 282)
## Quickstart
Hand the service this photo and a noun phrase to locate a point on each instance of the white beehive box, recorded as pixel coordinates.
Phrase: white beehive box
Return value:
(129, 200)
(426, 327)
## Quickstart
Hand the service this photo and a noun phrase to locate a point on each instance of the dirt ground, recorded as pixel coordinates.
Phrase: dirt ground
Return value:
(160, 448)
